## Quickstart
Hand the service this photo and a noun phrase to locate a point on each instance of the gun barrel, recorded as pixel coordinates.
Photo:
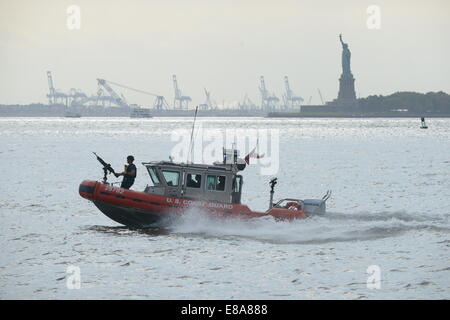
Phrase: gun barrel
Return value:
(107, 166)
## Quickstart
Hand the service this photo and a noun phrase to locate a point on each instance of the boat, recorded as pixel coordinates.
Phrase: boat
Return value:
(138, 112)
(423, 124)
(176, 188)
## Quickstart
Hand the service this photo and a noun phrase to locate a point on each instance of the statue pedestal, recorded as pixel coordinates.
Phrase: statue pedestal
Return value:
(347, 96)
(346, 87)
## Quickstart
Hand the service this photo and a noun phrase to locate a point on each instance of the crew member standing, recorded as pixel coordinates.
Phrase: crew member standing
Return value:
(129, 174)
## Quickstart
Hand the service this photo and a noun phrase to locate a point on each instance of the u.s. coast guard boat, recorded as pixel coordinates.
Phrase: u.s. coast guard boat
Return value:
(176, 187)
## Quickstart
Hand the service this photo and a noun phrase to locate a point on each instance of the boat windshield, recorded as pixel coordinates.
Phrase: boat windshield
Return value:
(288, 203)
(172, 177)
(153, 175)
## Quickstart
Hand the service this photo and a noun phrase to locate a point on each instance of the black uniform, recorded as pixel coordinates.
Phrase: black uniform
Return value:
(128, 179)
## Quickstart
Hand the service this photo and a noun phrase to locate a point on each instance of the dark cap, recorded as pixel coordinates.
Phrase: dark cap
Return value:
(130, 158)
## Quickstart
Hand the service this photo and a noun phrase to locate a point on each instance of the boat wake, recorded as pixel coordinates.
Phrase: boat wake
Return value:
(126, 231)
(332, 227)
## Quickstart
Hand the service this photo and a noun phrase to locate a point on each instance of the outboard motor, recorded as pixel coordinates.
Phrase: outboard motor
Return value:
(316, 206)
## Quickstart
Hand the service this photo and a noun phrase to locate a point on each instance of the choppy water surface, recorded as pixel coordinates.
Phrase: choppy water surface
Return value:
(390, 208)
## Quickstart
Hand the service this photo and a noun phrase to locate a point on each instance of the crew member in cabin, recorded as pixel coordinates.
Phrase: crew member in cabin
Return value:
(221, 183)
(193, 180)
(129, 174)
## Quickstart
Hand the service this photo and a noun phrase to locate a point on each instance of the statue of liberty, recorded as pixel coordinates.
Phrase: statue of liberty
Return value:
(345, 58)
(346, 95)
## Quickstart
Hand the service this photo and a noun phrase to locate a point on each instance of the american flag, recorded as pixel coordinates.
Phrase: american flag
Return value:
(252, 154)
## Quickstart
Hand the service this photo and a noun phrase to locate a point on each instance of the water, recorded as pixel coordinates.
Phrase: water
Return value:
(390, 208)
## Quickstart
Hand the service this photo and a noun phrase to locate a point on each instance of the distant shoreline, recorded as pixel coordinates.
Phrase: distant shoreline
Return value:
(355, 115)
(238, 116)
(96, 111)
(60, 111)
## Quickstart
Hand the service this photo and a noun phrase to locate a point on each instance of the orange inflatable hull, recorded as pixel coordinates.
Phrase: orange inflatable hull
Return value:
(140, 210)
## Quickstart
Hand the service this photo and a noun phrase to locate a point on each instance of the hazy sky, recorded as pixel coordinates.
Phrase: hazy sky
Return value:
(224, 46)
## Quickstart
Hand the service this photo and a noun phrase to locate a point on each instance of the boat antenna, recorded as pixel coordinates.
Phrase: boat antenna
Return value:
(272, 184)
(191, 143)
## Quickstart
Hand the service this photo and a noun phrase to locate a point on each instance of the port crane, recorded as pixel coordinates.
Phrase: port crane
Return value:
(183, 101)
(247, 104)
(208, 105)
(268, 102)
(102, 83)
(72, 98)
(320, 95)
(159, 103)
(290, 101)
(55, 96)
(51, 96)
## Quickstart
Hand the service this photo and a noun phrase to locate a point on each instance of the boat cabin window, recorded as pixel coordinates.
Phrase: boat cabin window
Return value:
(237, 187)
(193, 180)
(237, 184)
(172, 177)
(215, 183)
(153, 175)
